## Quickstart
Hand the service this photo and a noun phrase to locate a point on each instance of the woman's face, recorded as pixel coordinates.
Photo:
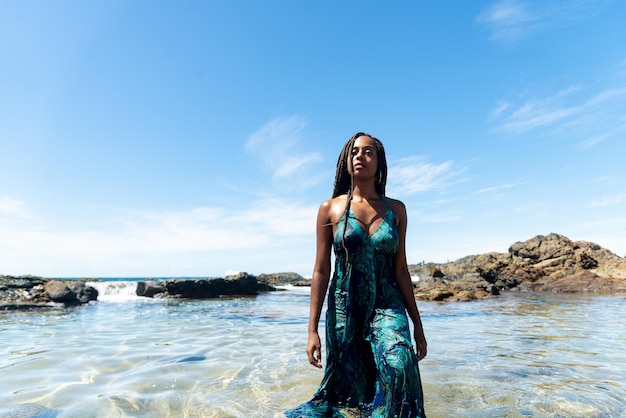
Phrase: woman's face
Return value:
(364, 157)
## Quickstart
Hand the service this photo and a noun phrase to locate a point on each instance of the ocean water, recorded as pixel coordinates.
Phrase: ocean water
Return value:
(520, 355)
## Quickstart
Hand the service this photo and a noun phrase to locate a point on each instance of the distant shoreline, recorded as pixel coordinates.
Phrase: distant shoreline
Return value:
(551, 263)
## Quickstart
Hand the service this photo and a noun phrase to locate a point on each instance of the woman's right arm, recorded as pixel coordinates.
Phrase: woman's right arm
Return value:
(319, 281)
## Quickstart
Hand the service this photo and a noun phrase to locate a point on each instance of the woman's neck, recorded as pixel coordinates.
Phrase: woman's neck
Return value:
(364, 192)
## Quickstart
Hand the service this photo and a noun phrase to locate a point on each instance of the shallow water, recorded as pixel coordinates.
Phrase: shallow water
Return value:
(536, 355)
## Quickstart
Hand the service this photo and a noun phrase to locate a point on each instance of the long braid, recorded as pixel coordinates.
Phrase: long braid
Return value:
(344, 185)
(381, 173)
(343, 178)
(346, 215)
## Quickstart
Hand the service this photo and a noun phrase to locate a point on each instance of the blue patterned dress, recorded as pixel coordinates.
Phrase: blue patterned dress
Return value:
(371, 367)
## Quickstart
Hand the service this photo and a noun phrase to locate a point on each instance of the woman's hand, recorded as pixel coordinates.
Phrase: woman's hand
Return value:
(421, 345)
(314, 350)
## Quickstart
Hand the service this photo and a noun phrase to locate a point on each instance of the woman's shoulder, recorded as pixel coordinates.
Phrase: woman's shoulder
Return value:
(333, 208)
(395, 204)
(335, 201)
(398, 209)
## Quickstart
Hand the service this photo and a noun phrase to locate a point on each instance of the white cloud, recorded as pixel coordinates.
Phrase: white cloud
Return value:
(497, 188)
(511, 20)
(500, 107)
(590, 142)
(607, 201)
(603, 179)
(584, 116)
(171, 236)
(290, 165)
(280, 217)
(279, 146)
(12, 207)
(535, 113)
(507, 20)
(412, 175)
(596, 139)
(137, 233)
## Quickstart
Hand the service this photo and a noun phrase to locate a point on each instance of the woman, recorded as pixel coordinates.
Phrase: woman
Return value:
(371, 368)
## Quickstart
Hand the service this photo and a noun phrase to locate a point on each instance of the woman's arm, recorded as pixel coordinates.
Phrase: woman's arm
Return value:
(403, 280)
(319, 281)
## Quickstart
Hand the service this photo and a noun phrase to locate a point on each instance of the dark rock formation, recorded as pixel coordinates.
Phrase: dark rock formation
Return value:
(544, 263)
(150, 288)
(70, 292)
(242, 284)
(25, 292)
(282, 279)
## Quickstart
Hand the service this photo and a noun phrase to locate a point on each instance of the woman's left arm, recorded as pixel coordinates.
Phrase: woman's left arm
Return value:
(403, 280)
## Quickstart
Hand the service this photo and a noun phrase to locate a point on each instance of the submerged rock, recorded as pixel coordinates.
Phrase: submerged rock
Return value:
(28, 410)
(192, 358)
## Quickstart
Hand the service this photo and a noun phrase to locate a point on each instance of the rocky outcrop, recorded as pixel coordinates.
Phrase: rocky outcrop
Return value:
(551, 263)
(242, 284)
(282, 279)
(26, 292)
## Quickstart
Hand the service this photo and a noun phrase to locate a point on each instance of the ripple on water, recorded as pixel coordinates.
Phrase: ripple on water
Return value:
(514, 356)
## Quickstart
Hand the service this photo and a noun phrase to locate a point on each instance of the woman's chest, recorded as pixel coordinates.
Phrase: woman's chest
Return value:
(352, 235)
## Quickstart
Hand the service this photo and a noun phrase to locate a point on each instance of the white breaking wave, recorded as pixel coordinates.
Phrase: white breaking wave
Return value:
(115, 291)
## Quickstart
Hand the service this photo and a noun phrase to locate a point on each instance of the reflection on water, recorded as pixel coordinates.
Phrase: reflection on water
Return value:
(538, 355)
(528, 355)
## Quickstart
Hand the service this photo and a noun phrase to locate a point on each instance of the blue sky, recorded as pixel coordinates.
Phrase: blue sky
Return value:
(150, 138)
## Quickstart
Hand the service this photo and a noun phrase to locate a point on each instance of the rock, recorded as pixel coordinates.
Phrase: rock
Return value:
(544, 263)
(493, 290)
(439, 294)
(59, 292)
(282, 279)
(434, 295)
(150, 288)
(582, 281)
(242, 284)
(586, 261)
(435, 272)
(190, 289)
(465, 295)
(25, 292)
(84, 293)
(192, 358)
(70, 292)
(21, 282)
